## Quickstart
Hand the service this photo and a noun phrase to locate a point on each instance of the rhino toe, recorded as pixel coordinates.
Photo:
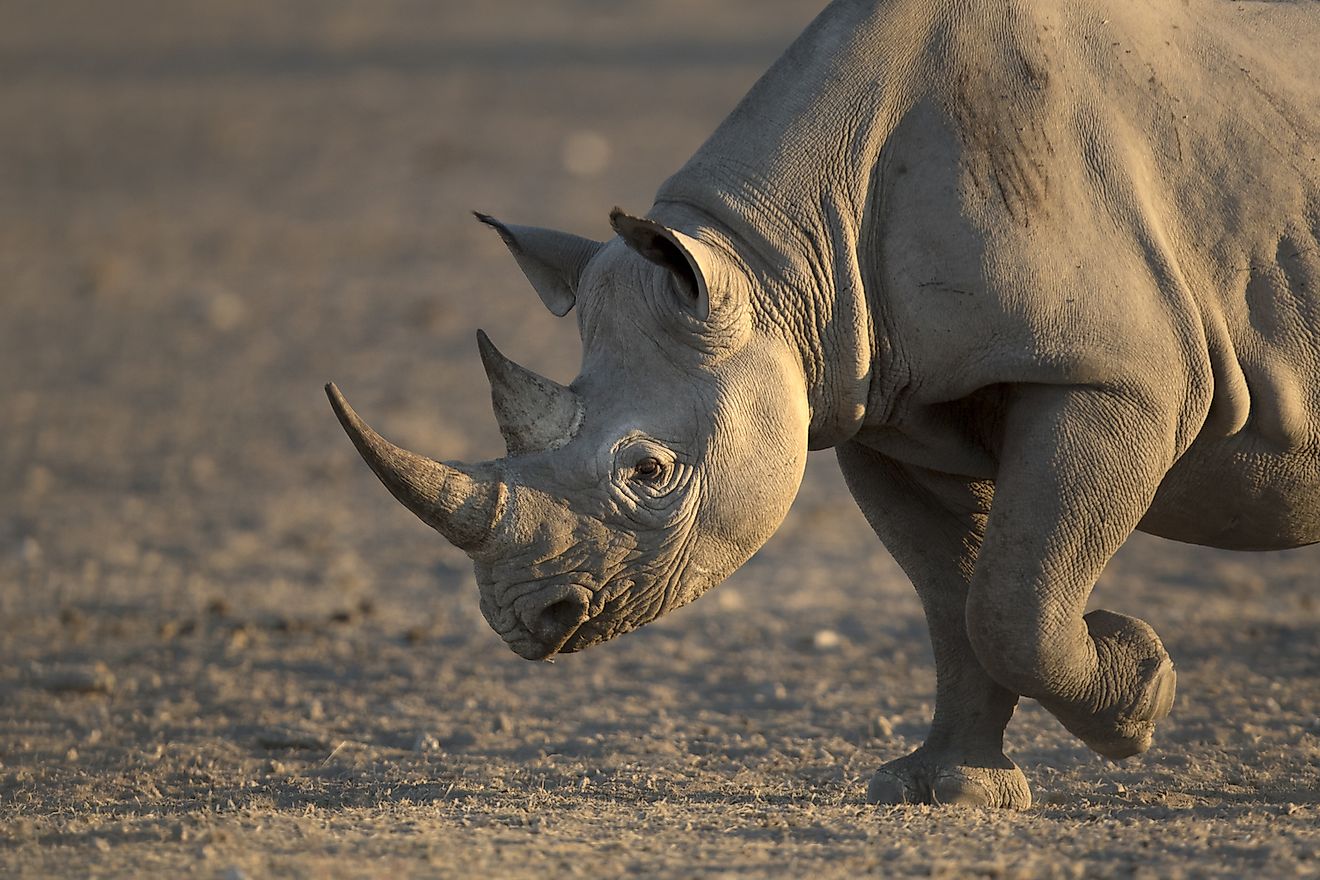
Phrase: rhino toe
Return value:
(887, 788)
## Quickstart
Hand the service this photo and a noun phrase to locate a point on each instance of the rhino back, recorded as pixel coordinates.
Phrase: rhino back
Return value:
(1130, 198)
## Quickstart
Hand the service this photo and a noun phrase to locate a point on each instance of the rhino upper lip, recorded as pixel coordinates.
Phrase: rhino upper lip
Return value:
(558, 645)
(577, 639)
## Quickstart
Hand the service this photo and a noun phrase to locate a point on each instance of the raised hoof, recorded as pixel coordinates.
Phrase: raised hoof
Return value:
(922, 779)
(1126, 728)
(1132, 731)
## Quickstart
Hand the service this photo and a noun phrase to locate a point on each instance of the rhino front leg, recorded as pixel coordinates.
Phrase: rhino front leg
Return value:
(932, 524)
(1078, 469)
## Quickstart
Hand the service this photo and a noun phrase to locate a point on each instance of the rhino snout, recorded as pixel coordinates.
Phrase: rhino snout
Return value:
(550, 617)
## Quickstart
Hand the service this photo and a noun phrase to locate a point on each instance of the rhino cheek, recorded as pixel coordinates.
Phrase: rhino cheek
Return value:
(630, 610)
(643, 591)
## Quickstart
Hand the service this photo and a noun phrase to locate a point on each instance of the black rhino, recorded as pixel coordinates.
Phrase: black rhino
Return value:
(1042, 273)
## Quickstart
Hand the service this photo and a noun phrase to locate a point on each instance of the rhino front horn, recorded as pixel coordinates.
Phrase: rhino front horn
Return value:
(453, 500)
(535, 413)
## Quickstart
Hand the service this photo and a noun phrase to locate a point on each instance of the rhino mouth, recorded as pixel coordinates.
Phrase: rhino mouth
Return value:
(545, 622)
(563, 618)
(547, 650)
(578, 635)
(584, 636)
(531, 647)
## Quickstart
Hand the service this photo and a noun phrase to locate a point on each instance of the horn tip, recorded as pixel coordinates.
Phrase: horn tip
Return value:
(345, 413)
(490, 355)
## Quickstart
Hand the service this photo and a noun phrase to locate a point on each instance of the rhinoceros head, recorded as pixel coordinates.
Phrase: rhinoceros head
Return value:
(669, 460)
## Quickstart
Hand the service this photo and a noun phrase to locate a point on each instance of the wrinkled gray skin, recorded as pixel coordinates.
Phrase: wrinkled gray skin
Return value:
(1042, 273)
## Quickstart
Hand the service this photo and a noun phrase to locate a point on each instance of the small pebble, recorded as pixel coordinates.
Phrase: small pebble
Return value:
(826, 640)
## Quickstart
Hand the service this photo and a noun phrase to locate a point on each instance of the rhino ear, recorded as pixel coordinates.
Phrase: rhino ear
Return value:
(552, 261)
(690, 261)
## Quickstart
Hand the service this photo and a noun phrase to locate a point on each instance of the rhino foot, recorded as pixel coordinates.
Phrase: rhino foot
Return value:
(928, 777)
(1132, 654)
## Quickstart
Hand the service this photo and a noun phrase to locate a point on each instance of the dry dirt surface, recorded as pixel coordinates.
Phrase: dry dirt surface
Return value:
(226, 652)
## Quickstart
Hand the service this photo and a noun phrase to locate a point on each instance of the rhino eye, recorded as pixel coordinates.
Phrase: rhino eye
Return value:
(648, 469)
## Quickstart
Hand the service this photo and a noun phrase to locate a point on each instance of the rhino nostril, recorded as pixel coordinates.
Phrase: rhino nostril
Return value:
(558, 617)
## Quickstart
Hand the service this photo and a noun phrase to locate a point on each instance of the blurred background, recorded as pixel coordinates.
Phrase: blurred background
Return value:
(214, 621)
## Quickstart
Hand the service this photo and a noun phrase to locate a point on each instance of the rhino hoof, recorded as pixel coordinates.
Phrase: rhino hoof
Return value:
(917, 779)
(1125, 729)
(1132, 732)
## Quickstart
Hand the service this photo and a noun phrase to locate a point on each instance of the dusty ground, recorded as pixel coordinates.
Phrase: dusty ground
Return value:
(225, 650)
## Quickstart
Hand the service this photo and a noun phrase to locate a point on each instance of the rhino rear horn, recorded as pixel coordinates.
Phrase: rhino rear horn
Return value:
(456, 501)
(534, 413)
(552, 261)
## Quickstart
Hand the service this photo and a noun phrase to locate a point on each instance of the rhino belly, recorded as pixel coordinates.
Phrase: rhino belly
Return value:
(1237, 493)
